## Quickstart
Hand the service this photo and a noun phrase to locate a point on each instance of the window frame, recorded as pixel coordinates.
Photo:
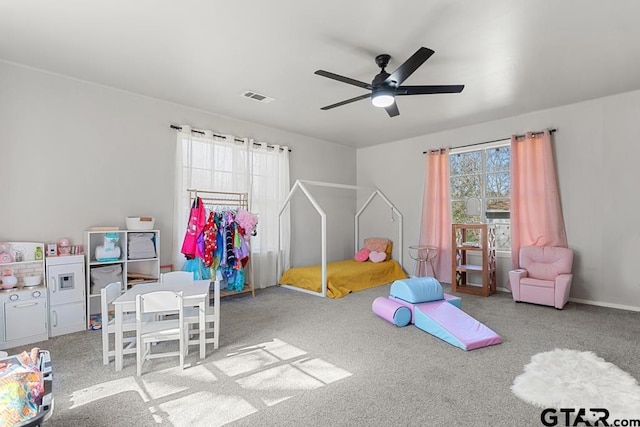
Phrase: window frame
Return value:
(502, 226)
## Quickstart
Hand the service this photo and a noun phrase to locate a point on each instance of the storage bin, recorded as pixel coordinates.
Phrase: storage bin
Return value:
(102, 276)
(140, 222)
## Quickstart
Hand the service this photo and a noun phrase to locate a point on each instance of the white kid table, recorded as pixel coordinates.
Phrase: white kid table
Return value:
(194, 294)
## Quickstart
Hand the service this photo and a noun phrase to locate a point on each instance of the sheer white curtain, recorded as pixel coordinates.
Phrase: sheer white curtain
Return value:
(208, 162)
(268, 190)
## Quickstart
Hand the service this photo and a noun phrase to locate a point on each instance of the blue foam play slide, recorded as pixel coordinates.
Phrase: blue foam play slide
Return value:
(440, 315)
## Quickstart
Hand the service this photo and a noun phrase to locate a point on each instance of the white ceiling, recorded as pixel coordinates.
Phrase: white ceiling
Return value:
(512, 56)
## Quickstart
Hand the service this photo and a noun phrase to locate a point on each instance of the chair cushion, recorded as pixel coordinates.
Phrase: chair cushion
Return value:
(546, 262)
(528, 281)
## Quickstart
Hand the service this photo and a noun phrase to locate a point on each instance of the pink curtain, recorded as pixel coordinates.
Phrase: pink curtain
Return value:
(536, 214)
(435, 225)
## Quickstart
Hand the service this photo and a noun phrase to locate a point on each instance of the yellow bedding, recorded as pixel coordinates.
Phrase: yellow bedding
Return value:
(344, 277)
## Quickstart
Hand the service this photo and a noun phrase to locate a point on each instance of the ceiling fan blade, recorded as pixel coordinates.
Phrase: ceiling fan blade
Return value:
(344, 79)
(409, 66)
(348, 101)
(392, 110)
(426, 90)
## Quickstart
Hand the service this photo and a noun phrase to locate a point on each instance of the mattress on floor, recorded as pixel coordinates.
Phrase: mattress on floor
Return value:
(344, 277)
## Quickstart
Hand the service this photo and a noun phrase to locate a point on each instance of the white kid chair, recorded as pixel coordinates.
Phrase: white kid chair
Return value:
(161, 328)
(107, 295)
(177, 277)
(212, 310)
(212, 319)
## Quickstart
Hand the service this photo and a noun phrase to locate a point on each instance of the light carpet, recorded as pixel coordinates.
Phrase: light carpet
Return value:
(564, 378)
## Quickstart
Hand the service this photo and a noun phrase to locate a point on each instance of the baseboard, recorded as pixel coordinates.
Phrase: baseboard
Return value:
(590, 302)
(605, 304)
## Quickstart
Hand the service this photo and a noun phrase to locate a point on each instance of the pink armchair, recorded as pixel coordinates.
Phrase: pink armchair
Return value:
(544, 276)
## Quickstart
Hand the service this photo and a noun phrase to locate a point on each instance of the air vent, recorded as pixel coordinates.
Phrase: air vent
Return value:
(257, 97)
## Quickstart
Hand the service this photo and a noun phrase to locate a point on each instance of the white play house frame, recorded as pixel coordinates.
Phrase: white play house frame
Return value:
(302, 186)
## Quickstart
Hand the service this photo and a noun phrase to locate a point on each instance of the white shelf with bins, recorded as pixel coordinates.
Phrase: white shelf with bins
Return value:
(134, 271)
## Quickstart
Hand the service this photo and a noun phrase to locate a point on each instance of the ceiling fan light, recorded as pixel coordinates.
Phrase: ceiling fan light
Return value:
(382, 99)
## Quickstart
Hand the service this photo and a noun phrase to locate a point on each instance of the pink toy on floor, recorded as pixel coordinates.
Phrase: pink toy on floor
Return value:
(392, 311)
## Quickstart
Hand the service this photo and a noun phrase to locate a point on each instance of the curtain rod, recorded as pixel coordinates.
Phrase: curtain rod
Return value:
(201, 132)
(494, 140)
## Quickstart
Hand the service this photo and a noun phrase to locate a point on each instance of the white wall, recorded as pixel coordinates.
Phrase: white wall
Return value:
(75, 155)
(597, 156)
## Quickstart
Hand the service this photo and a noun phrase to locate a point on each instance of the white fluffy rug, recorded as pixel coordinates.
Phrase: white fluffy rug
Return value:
(575, 379)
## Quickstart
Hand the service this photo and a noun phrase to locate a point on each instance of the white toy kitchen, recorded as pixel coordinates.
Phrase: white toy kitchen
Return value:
(31, 286)
(66, 289)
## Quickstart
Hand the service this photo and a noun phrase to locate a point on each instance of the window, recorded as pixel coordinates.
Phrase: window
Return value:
(229, 164)
(482, 176)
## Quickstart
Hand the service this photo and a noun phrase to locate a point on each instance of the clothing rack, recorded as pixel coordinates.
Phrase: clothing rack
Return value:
(217, 199)
(214, 199)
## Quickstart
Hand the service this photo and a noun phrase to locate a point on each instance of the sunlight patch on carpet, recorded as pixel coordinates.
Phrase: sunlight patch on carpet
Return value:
(271, 401)
(257, 357)
(572, 379)
(205, 409)
(175, 380)
(225, 390)
(280, 378)
(323, 371)
(282, 350)
(246, 362)
(103, 390)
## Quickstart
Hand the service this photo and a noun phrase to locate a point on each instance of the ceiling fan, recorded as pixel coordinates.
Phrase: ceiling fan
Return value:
(385, 87)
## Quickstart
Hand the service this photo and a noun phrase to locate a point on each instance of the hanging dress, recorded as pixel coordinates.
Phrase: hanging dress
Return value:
(210, 230)
(195, 226)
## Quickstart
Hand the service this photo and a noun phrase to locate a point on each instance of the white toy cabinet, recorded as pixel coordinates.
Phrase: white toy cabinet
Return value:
(137, 261)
